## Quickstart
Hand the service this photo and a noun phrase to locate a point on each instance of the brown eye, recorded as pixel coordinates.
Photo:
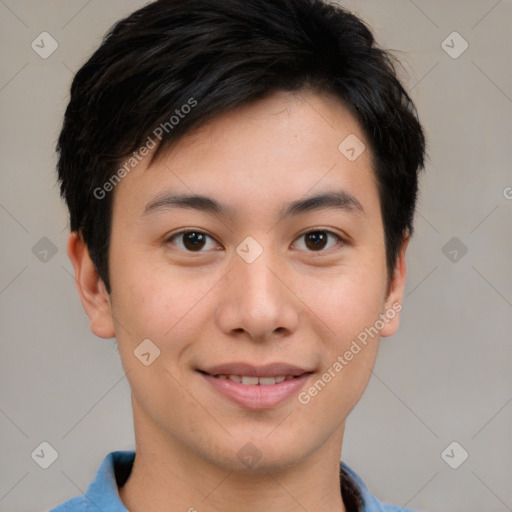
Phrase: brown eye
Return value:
(319, 240)
(194, 241)
(191, 241)
(316, 240)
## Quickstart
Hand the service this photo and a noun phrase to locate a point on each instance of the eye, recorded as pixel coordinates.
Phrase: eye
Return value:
(197, 241)
(192, 241)
(318, 240)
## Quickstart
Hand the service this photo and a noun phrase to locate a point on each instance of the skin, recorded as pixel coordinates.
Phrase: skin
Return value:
(295, 303)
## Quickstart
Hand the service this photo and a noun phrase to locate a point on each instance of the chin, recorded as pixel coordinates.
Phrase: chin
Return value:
(258, 455)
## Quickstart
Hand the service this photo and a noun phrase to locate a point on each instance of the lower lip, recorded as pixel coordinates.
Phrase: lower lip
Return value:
(257, 396)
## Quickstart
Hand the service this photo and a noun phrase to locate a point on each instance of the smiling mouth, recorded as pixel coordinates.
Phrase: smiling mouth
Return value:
(253, 380)
(256, 391)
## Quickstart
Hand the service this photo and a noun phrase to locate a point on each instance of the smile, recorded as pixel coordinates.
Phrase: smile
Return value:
(255, 392)
(254, 381)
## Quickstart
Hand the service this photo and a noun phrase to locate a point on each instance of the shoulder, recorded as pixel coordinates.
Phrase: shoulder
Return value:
(369, 502)
(102, 493)
(73, 505)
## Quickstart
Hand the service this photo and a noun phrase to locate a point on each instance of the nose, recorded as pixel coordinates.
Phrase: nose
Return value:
(258, 299)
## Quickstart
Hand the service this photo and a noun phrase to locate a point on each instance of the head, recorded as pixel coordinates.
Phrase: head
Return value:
(249, 104)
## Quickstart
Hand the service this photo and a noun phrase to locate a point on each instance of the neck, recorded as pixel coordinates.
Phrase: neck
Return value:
(167, 477)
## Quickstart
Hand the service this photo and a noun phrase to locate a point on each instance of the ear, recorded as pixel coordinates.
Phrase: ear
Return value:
(93, 294)
(393, 302)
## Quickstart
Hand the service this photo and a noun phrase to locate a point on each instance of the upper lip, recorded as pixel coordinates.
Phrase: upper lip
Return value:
(244, 369)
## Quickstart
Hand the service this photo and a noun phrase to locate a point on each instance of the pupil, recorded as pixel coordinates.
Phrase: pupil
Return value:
(194, 240)
(318, 238)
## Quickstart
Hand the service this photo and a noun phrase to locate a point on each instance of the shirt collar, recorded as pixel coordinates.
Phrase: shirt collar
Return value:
(115, 469)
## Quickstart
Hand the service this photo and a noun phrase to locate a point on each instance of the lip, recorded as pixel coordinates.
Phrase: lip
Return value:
(256, 396)
(268, 370)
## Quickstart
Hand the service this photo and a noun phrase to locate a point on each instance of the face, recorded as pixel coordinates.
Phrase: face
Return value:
(257, 280)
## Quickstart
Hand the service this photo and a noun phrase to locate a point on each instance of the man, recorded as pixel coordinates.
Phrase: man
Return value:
(241, 177)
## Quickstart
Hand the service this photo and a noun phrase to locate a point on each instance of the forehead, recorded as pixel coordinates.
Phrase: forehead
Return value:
(297, 127)
(279, 149)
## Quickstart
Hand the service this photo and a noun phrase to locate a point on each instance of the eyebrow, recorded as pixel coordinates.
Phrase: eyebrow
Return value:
(340, 200)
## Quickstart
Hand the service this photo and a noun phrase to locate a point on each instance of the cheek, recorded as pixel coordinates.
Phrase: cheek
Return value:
(347, 303)
(349, 306)
(350, 346)
(331, 397)
(169, 308)
(143, 296)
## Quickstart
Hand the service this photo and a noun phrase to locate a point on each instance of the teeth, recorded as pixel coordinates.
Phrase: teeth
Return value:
(252, 381)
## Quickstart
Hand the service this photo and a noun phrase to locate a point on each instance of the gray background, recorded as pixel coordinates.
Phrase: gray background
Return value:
(446, 376)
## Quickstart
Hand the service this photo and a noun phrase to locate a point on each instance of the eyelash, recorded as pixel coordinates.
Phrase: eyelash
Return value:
(339, 239)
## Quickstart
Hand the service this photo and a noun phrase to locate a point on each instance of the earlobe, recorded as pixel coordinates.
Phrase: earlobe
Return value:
(393, 303)
(93, 294)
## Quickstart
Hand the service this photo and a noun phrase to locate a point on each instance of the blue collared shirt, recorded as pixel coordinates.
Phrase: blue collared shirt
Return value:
(102, 494)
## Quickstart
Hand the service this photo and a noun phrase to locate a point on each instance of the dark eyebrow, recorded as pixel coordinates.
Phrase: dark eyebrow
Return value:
(194, 202)
(337, 199)
(340, 200)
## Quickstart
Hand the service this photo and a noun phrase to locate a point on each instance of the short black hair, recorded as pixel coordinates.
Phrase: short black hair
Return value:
(212, 56)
